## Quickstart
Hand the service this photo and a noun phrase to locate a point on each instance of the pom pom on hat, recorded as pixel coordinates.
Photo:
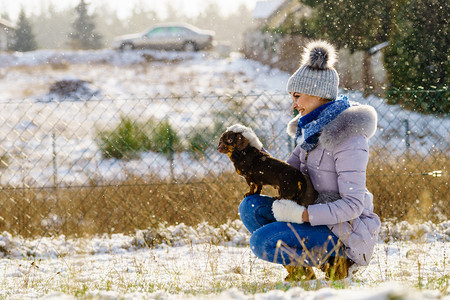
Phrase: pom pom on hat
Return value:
(319, 55)
(316, 76)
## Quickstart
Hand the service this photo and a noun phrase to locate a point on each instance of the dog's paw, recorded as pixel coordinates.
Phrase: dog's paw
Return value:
(250, 193)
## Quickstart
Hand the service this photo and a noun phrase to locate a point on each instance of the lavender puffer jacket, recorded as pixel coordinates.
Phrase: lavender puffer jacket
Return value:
(338, 164)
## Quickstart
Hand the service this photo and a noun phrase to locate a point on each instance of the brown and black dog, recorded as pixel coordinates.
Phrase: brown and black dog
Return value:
(259, 168)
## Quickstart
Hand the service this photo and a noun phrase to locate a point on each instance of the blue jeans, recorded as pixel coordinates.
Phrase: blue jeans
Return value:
(286, 243)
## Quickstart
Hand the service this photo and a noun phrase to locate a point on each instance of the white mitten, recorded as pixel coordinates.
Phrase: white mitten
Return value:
(287, 211)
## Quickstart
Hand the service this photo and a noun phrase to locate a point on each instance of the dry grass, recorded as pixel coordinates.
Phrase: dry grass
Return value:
(39, 85)
(401, 193)
(125, 207)
(404, 189)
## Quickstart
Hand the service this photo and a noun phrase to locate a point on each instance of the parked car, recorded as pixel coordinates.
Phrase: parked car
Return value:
(169, 36)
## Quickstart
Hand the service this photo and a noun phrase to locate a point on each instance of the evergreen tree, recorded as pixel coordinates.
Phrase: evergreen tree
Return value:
(23, 37)
(84, 35)
(418, 54)
(357, 25)
(352, 24)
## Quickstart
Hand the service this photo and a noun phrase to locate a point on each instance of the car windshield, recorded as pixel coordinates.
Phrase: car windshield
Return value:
(157, 32)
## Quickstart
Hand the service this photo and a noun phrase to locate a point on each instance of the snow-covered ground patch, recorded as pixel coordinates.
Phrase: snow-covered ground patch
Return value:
(411, 261)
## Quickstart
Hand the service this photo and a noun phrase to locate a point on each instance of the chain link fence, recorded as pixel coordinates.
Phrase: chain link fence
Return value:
(77, 166)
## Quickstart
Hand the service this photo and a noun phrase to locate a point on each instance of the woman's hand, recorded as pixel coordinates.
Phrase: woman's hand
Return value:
(305, 216)
(289, 211)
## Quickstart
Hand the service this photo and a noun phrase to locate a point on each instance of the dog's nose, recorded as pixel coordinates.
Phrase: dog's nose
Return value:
(221, 148)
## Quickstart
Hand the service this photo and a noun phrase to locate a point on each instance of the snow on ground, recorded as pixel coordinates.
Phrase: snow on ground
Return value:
(134, 73)
(410, 262)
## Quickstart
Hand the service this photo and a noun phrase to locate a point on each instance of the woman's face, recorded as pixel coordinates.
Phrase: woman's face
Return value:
(306, 103)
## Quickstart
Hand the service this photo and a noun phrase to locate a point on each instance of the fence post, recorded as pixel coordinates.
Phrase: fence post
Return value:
(55, 166)
(406, 121)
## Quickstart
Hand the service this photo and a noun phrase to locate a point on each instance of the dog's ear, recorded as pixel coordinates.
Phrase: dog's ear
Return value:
(241, 142)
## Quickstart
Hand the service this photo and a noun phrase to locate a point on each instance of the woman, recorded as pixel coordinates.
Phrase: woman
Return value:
(332, 136)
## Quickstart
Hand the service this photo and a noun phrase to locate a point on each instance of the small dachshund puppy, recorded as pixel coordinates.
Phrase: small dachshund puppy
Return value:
(258, 168)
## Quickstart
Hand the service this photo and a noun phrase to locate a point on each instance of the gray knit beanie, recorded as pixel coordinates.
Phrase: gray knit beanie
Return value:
(316, 76)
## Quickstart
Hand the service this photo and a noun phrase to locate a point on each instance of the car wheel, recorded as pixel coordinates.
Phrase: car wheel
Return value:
(190, 47)
(127, 46)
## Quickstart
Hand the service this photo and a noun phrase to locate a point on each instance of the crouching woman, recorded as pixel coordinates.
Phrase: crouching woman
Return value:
(332, 135)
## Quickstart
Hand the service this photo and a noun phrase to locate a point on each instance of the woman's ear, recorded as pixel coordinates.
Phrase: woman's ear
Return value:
(242, 142)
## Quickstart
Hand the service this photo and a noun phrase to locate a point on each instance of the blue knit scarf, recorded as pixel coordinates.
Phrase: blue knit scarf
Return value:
(311, 125)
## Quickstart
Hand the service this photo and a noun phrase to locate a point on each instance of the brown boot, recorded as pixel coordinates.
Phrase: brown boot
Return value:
(337, 268)
(297, 273)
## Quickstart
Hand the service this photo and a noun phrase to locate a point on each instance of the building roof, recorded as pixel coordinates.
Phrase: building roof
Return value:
(6, 23)
(264, 9)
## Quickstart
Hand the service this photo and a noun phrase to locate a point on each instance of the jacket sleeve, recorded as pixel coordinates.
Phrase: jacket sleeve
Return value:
(351, 158)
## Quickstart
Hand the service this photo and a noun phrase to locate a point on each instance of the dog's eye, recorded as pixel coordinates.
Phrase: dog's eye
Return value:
(229, 141)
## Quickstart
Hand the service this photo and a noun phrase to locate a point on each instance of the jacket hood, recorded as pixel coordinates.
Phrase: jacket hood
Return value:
(357, 119)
